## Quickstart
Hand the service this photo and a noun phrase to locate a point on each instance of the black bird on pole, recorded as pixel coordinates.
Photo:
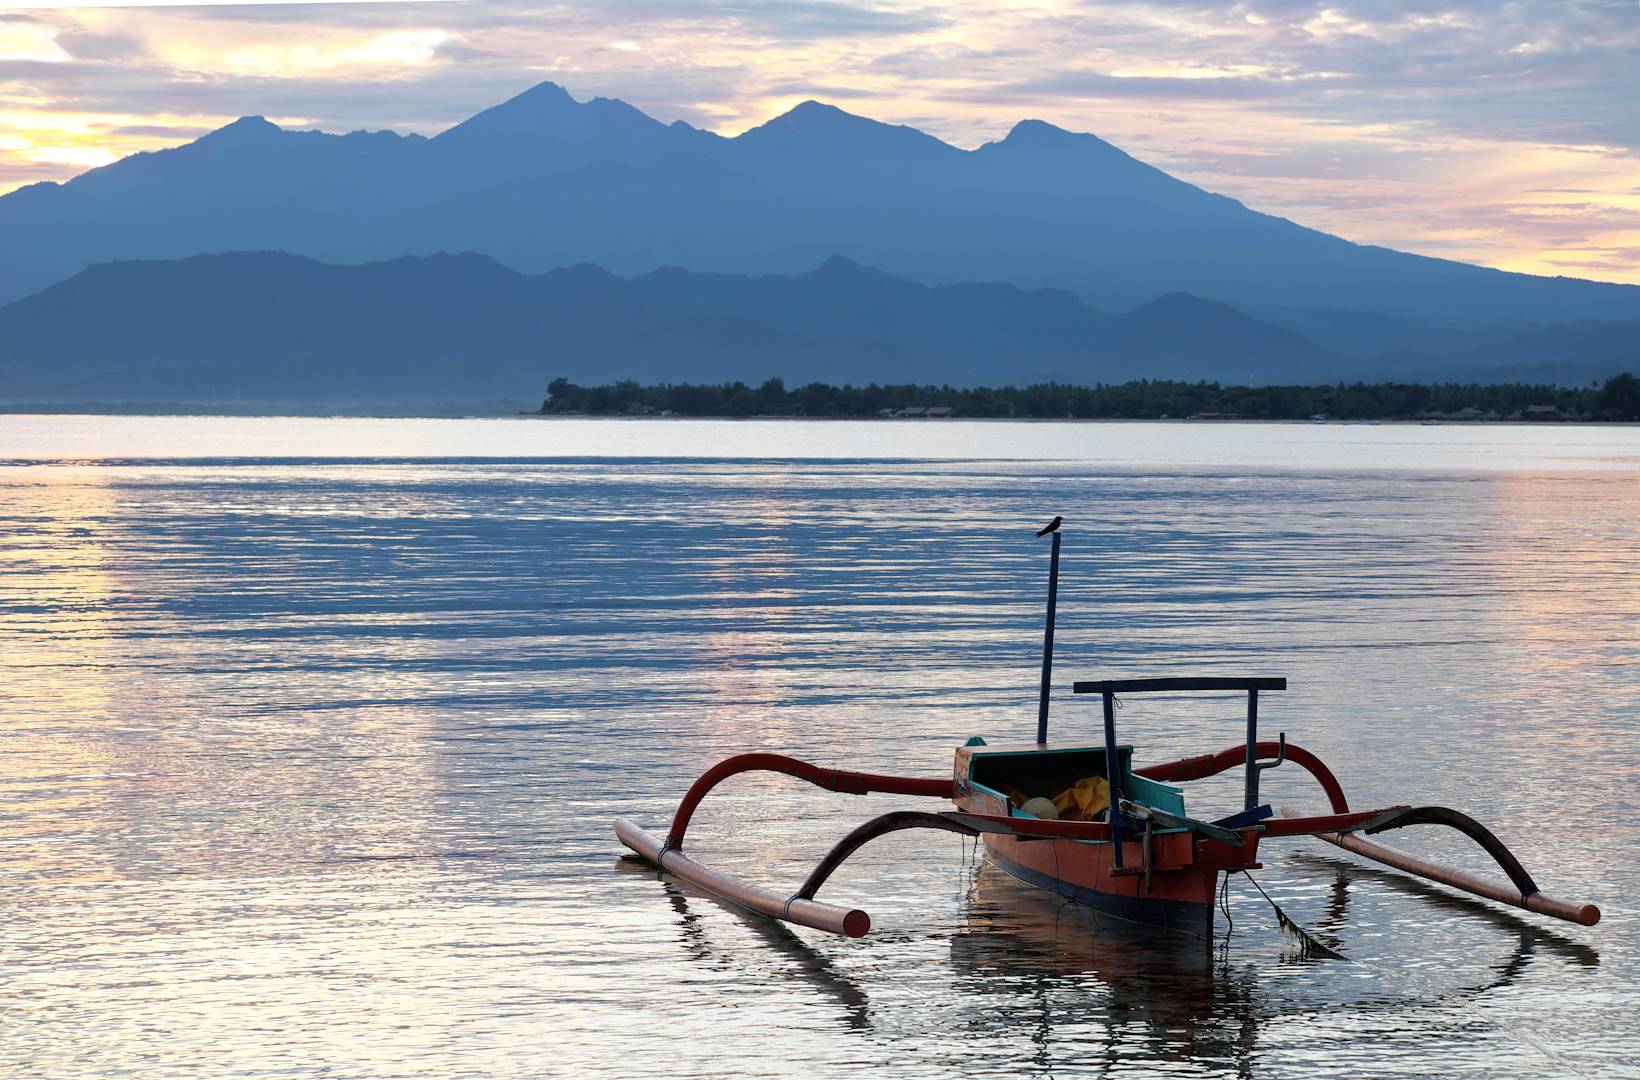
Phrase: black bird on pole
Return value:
(1052, 526)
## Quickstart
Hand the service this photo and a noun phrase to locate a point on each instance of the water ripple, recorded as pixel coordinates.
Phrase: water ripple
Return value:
(310, 759)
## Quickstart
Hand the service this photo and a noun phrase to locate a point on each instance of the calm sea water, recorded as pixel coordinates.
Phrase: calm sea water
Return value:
(314, 731)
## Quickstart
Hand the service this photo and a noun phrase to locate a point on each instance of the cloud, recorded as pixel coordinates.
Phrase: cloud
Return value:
(87, 45)
(30, 42)
(392, 52)
(51, 5)
(1096, 86)
(162, 131)
(822, 92)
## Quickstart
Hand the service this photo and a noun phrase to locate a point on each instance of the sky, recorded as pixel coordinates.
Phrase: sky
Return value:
(1499, 133)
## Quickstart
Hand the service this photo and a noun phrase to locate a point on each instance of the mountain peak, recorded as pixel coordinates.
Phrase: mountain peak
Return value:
(1035, 129)
(1183, 301)
(1041, 153)
(1041, 134)
(541, 99)
(842, 264)
(545, 90)
(842, 270)
(814, 129)
(547, 110)
(816, 117)
(812, 110)
(522, 112)
(245, 129)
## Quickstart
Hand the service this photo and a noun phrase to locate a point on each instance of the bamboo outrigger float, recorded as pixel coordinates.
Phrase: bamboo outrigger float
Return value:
(1082, 822)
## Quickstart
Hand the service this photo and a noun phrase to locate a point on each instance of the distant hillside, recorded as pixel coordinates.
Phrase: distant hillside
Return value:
(544, 181)
(282, 328)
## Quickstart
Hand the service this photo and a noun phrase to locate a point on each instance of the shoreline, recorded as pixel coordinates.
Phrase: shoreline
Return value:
(1165, 401)
(274, 413)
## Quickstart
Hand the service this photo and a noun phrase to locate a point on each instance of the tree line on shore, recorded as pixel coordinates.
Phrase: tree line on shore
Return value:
(1144, 399)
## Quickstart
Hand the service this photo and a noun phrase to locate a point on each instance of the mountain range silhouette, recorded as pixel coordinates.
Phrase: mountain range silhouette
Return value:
(269, 326)
(542, 182)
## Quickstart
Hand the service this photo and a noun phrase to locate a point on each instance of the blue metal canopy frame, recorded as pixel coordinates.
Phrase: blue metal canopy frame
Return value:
(1109, 688)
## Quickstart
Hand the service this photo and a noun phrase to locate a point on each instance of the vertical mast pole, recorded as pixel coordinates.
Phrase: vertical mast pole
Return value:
(1047, 641)
(1250, 784)
(1113, 779)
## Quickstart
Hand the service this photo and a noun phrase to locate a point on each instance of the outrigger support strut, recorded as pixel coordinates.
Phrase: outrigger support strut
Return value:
(1349, 836)
(802, 908)
(896, 821)
(1525, 893)
(1441, 815)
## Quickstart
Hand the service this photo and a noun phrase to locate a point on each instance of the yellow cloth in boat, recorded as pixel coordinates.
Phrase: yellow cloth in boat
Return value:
(1083, 799)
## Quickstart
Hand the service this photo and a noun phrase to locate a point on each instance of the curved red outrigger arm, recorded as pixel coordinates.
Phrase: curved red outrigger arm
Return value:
(849, 783)
(860, 783)
(1194, 768)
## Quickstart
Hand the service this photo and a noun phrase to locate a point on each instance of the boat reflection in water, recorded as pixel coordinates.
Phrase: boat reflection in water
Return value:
(1097, 985)
(1049, 982)
(1019, 941)
(801, 961)
(1532, 937)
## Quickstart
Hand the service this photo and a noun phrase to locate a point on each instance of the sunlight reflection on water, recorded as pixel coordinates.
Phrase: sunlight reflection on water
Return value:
(310, 765)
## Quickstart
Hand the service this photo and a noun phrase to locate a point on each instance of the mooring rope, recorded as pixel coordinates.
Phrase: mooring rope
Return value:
(1308, 942)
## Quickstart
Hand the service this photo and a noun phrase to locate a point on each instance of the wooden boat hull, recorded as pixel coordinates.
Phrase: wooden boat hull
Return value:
(1176, 896)
(1192, 918)
(1171, 887)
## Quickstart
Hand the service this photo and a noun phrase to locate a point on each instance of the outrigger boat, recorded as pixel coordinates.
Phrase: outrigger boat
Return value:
(1083, 822)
